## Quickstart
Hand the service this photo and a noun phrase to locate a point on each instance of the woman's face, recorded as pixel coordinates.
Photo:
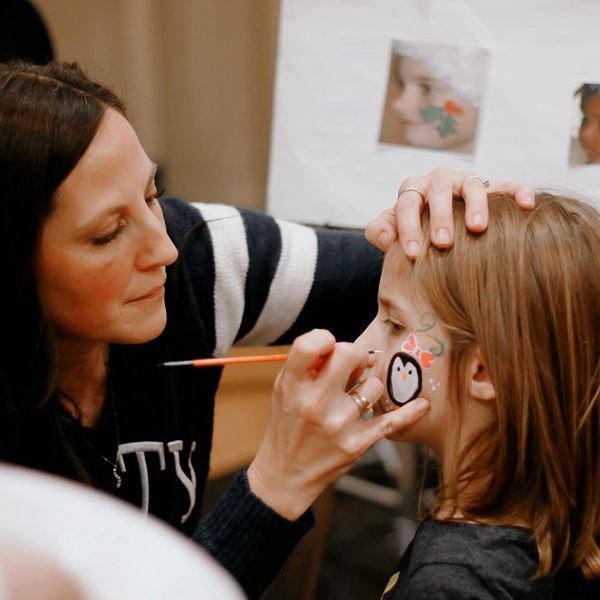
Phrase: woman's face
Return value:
(103, 251)
(414, 350)
(589, 132)
(433, 115)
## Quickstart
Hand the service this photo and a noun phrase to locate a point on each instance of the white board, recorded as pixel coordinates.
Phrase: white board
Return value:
(328, 164)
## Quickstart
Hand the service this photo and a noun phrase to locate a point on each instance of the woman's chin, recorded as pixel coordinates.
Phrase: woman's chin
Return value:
(143, 332)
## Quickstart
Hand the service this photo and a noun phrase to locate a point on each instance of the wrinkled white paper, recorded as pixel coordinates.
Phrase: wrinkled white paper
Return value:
(327, 165)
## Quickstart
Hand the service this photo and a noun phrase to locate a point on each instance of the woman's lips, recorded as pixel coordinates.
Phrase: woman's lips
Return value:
(153, 294)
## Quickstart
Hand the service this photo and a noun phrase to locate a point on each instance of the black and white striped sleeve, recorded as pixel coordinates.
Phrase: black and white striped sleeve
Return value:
(272, 280)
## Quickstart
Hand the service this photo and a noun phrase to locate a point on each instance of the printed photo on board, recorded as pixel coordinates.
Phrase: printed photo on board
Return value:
(434, 95)
(585, 134)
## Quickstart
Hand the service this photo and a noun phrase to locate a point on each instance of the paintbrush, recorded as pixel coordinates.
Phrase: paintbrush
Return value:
(232, 360)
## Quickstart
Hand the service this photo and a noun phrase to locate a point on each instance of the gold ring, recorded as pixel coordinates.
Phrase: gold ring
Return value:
(364, 406)
(411, 189)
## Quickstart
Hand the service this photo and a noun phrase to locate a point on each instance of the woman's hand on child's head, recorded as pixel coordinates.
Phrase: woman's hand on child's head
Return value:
(316, 431)
(437, 189)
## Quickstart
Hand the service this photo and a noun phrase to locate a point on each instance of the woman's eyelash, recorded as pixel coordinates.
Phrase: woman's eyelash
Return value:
(106, 239)
(101, 241)
(394, 327)
(155, 196)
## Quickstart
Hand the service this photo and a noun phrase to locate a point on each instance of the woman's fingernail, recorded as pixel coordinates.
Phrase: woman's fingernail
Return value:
(477, 219)
(442, 235)
(528, 200)
(413, 249)
(383, 240)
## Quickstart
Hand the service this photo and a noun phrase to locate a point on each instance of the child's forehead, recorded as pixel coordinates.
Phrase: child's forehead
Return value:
(398, 285)
(396, 264)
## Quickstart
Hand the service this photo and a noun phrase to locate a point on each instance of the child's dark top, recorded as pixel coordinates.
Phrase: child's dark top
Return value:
(479, 562)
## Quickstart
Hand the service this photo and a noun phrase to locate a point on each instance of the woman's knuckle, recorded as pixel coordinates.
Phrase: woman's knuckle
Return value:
(345, 350)
(303, 345)
(410, 182)
(348, 447)
(387, 428)
(439, 184)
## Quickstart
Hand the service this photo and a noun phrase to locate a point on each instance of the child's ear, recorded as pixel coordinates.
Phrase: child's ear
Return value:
(479, 384)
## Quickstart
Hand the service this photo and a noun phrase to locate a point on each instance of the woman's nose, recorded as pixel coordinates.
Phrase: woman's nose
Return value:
(157, 248)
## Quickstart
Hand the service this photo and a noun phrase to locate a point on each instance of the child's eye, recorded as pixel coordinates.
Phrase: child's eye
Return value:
(394, 327)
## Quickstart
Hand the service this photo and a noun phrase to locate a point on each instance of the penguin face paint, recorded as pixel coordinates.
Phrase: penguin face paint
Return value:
(404, 378)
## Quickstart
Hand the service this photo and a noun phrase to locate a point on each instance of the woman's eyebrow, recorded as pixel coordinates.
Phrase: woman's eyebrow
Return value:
(99, 218)
(115, 209)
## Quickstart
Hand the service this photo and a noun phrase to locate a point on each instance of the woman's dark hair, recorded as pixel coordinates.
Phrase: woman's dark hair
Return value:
(48, 118)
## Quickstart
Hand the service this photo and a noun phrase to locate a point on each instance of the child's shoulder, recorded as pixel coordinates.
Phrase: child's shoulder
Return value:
(474, 545)
(464, 560)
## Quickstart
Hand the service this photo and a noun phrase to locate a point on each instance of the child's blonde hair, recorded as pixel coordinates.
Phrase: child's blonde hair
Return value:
(527, 293)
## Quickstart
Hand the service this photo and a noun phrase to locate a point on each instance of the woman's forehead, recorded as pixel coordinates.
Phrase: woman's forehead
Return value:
(113, 167)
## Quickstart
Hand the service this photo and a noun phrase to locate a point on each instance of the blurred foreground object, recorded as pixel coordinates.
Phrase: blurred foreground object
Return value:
(75, 543)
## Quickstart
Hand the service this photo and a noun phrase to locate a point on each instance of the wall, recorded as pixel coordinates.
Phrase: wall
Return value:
(197, 76)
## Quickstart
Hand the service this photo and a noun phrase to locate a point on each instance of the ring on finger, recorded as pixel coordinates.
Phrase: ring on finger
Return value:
(364, 406)
(485, 182)
(412, 189)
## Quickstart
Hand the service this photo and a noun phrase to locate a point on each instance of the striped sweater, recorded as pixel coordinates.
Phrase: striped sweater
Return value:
(241, 278)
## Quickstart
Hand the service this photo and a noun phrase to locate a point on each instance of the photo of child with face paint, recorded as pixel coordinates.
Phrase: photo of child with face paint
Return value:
(501, 333)
(433, 96)
(585, 143)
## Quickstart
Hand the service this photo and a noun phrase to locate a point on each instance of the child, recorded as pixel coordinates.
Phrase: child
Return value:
(589, 130)
(433, 96)
(501, 334)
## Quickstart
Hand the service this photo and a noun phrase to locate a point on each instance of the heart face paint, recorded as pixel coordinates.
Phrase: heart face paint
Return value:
(403, 378)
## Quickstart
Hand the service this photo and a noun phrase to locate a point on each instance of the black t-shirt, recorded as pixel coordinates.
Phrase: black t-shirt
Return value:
(478, 562)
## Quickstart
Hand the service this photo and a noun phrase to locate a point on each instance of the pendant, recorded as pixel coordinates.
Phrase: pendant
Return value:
(117, 477)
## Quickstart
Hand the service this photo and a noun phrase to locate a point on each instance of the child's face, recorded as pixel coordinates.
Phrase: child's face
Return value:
(414, 357)
(432, 113)
(589, 132)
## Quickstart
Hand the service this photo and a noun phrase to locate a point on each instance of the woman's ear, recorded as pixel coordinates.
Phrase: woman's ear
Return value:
(479, 384)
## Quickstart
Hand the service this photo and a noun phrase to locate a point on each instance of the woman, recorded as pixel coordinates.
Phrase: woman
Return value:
(94, 266)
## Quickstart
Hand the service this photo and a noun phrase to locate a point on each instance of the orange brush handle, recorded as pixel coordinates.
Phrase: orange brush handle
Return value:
(227, 360)
(232, 360)
(236, 360)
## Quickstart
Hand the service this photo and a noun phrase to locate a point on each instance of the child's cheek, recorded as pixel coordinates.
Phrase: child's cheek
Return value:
(408, 372)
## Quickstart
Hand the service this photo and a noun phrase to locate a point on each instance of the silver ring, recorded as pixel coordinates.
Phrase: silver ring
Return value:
(364, 406)
(483, 180)
(411, 189)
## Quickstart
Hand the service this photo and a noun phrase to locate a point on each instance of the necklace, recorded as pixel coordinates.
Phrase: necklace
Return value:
(113, 464)
(115, 473)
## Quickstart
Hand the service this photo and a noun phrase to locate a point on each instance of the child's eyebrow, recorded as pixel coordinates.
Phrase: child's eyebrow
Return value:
(388, 303)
